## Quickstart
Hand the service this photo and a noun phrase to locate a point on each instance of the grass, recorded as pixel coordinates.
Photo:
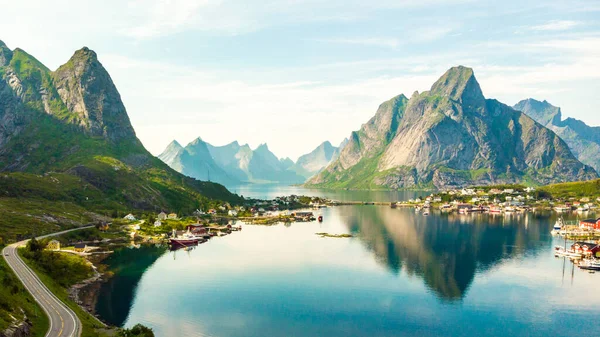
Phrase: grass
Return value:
(573, 189)
(22, 217)
(14, 298)
(89, 323)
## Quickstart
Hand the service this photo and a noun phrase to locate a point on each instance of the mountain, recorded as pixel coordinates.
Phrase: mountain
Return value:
(313, 162)
(450, 136)
(196, 161)
(583, 140)
(68, 130)
(230, 164)
(170, 154)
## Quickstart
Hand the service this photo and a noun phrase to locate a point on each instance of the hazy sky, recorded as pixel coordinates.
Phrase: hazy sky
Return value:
(293, 73)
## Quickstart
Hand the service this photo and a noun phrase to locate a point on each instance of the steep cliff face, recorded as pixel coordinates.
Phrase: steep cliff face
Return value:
(73, 121)
(88, 92)
(583, 140)
(450, 136)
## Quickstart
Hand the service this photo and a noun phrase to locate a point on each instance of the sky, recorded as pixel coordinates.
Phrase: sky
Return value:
(294, 73)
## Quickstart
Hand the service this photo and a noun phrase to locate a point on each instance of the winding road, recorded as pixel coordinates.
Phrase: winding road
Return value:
(63, 321)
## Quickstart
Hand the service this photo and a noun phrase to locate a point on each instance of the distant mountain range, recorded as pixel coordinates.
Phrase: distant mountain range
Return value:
(68, 131)
(233, 163)
(450, 136)
(583, 140)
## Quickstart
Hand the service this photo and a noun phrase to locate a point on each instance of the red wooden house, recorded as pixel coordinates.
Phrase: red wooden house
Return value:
(590, 223)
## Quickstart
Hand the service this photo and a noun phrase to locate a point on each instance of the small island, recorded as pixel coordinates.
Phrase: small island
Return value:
(327, 235)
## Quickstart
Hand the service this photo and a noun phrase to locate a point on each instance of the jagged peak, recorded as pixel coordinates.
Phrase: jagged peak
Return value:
(174, 144)
(458, 83)
(5, 54)
(326, 144)
(85, 53)
(262, 146)
(197, 141)
(80, 60)
(542, 111)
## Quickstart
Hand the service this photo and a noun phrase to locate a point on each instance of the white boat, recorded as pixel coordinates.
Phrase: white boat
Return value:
(558, 226)
(589, 264)
(185, 238)
(561, 251)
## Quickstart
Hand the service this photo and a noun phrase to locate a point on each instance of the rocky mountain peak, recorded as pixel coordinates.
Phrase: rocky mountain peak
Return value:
(175, 145)
(262, 148)
(541, 111)
(88, 91)
(84, 55)
(5, 54)
(459, 84)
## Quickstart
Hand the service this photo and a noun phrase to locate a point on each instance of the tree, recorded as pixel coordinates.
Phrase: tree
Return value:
(35, 246)
(138, 330)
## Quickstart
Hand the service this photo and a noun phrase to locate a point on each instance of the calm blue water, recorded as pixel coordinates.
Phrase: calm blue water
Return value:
(270, 191)
(402, 274)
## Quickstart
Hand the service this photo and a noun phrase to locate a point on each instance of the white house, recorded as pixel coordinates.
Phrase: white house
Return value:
(467, 191)
(157, 223)
(172, 216)
(162, 216)
(530, 189)
(232, 212)
(129, 217)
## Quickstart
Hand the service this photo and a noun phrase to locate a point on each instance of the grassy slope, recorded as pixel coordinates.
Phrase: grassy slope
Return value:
(70, 173)
(574, 189)
(13, 297)
(90, 324)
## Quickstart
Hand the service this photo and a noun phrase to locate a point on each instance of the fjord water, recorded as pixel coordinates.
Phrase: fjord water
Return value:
(402, 274)
(271, 191)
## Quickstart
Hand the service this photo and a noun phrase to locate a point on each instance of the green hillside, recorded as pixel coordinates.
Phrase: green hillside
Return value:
(69, 153)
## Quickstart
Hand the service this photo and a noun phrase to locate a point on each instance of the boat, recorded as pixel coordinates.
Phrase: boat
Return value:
(509, 209)
(558, 225)
(561, 251)
(185, 239)
(495, 210)
(589, 265)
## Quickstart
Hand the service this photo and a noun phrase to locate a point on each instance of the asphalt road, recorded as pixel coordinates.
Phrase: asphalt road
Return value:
(63, 321)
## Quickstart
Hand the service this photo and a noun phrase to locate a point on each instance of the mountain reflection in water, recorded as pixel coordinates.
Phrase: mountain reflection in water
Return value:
(402, 274)
(446, 250)
(128, 266)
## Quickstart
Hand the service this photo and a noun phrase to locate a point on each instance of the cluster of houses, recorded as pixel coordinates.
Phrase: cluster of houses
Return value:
(508, 200)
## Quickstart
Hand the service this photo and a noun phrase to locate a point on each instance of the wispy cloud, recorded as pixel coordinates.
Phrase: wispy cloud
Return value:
(557, 25)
